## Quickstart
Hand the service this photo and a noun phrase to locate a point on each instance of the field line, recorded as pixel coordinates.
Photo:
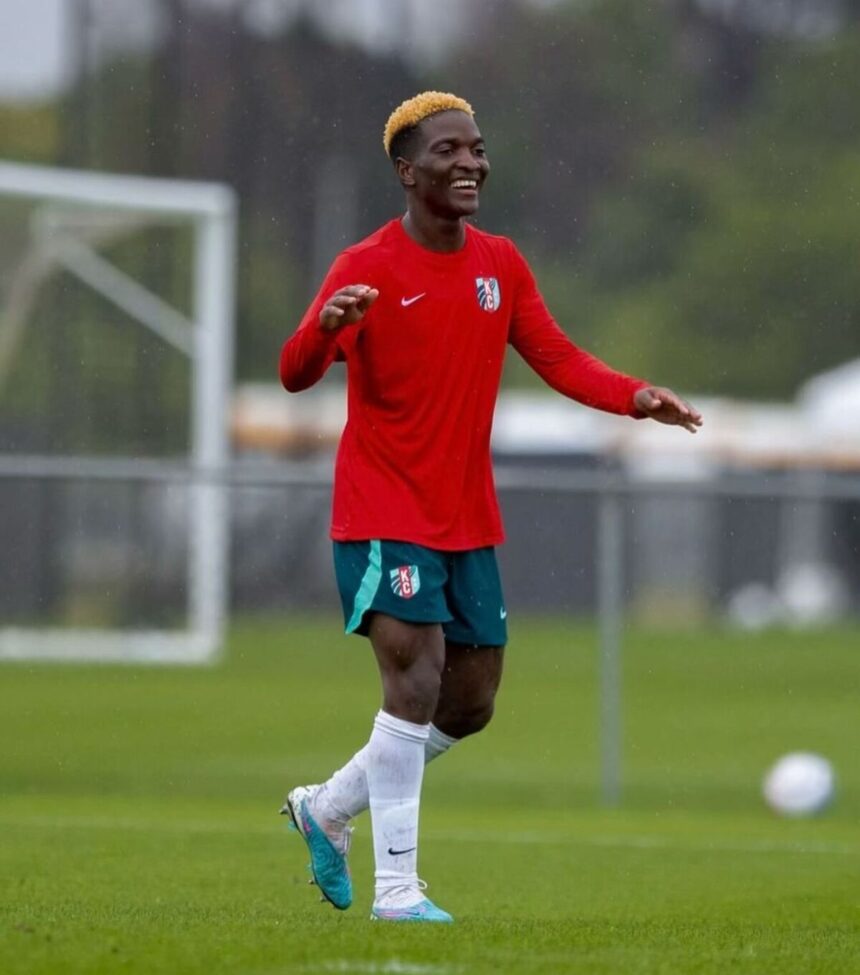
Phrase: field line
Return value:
(471, 836)
(645, 842)
(392, 967)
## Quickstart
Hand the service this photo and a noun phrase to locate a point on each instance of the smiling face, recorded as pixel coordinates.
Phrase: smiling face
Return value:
(447, 165)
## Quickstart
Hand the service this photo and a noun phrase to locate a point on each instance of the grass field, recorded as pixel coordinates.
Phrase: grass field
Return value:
(138, 826)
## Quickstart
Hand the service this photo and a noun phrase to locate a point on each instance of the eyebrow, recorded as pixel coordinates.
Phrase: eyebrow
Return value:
(454, 139)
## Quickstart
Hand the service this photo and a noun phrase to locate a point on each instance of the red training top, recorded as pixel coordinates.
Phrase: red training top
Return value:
(423, 368)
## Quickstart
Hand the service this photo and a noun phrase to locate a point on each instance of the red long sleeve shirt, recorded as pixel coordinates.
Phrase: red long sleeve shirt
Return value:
(423, 372)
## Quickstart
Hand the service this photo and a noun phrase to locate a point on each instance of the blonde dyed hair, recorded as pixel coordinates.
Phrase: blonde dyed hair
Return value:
(415, 110)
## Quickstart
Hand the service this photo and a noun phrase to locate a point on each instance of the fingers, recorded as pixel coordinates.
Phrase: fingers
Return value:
(353, 291)
(331, 314)
(665, 406)
(367, 299)
(689, 413)
(667, 398)
(347, 306)
(684, 414)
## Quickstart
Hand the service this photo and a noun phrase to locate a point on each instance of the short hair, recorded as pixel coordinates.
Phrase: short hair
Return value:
(403, 121)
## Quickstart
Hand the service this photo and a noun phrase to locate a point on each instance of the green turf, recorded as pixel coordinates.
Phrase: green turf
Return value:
(138, 826)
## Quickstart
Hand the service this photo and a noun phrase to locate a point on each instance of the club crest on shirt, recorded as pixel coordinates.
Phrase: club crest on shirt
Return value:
(405, 581)
(489, 296)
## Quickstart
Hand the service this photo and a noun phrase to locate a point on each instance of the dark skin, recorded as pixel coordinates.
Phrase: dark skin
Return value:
(424, 677)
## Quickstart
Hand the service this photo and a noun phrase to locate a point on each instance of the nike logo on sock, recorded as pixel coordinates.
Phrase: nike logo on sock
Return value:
(397, 853)
(406, 302)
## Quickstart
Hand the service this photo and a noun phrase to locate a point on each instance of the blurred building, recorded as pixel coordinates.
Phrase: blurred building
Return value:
(760, 560)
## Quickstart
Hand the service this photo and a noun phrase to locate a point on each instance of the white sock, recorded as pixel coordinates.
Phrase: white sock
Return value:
(437, 744)
(345, 794)
(394, 763)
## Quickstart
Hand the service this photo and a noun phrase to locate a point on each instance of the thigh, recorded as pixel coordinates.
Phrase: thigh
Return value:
(399, 579)
(473, 594)
(411, 658)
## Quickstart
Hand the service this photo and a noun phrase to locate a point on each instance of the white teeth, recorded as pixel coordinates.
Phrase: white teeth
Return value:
(467, 184)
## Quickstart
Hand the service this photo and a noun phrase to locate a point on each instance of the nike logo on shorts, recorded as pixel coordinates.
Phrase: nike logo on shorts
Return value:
(406, 302)
(397, 853)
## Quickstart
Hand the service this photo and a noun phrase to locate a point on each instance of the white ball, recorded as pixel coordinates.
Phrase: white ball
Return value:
(799, 784)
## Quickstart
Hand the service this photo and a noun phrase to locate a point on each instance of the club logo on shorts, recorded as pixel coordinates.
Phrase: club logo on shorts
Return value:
(405, 581)
(489, 296)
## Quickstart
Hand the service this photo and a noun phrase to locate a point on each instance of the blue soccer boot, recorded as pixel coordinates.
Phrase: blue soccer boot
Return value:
(390, 906)
(328, 853)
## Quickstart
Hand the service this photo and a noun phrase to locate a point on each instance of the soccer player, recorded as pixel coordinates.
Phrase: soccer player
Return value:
(422, 312)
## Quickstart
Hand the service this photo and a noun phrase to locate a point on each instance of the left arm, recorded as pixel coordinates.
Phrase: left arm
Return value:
(575, 373)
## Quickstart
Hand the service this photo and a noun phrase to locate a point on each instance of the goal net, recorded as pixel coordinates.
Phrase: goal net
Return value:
(116, 344)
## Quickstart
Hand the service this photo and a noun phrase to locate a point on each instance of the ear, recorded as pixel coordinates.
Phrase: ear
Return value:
(404, 171)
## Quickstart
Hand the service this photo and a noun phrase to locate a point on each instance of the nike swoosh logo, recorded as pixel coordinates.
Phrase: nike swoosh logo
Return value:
(397, 853)
(503, 614)
(406, 302)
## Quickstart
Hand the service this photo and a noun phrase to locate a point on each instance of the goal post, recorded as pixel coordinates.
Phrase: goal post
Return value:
(70, 216)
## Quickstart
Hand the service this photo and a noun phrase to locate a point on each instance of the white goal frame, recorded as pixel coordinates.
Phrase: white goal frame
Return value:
(208, 339)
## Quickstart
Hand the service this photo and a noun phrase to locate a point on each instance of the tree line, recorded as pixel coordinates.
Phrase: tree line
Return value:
(682, 175)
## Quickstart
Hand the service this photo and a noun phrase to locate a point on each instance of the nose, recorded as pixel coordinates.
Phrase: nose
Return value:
(469, 166)
(467, 161)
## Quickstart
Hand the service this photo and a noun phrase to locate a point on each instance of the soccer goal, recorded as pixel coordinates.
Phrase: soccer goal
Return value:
(116, 351)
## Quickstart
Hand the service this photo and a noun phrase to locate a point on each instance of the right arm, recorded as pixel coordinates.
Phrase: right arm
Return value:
(306, 356)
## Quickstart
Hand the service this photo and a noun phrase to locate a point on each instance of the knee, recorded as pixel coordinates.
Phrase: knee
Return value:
(465, 720)
(477, 718)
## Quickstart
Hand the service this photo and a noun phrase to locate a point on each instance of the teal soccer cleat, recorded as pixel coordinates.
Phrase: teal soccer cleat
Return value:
(425, 910)
(328, 863)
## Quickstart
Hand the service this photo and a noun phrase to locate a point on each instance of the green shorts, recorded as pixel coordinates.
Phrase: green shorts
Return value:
(460, 590)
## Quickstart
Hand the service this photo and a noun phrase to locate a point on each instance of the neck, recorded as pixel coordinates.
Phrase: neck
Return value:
(444, 234)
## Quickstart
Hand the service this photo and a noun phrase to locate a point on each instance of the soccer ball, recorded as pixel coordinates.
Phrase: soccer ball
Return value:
(799, 784)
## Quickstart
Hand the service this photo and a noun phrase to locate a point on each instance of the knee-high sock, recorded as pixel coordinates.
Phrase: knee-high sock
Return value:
(394, 763)
(437, 743)
(345, 794)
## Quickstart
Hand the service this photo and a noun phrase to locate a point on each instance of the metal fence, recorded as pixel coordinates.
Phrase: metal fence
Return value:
(582, 540)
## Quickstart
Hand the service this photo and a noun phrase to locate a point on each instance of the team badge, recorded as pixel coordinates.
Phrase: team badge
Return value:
(489, 296)
(405, 581)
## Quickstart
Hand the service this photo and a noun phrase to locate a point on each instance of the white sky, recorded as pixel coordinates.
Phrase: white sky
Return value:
(35, 48)
(36, 40)
(33, 59)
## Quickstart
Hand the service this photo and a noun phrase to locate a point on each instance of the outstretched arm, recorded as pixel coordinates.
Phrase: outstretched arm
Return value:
(581, 376)
(572, 371)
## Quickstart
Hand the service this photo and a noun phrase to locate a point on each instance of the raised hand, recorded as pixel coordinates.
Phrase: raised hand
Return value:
(347, 306)
(666, 407)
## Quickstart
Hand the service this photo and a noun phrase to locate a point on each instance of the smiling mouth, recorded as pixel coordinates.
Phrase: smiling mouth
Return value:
(465, 184)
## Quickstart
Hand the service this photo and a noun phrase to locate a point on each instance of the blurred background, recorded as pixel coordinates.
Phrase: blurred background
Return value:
(175, 178)
(682, 174)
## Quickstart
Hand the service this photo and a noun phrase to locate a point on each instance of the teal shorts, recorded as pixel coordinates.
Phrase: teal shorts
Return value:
(460, 590)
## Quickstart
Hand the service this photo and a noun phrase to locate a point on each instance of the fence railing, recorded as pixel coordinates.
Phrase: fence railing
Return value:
(610, 486)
